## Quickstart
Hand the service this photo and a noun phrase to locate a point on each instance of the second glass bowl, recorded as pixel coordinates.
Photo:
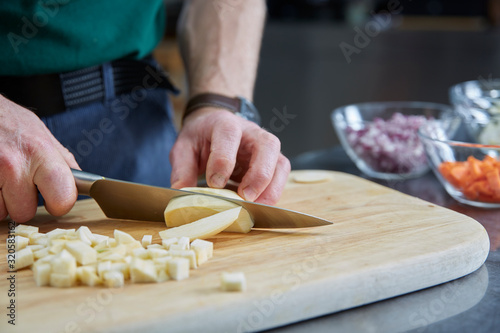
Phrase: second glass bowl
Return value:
(381, 137)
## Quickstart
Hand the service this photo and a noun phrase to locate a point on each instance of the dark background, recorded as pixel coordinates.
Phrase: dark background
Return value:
(424, 49)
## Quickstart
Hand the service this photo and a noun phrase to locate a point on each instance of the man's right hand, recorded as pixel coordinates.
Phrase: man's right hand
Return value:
(31, 158)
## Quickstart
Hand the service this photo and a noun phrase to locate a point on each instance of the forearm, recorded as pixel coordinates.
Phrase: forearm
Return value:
(220, 43)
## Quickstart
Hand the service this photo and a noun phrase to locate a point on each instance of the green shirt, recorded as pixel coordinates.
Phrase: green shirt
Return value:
(53, 36)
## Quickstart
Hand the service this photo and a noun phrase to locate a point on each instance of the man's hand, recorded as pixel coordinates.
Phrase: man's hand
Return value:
(220, 45)
(225, 146)
(31, 158)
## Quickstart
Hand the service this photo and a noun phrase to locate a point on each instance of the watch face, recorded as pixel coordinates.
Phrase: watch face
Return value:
(249, 111)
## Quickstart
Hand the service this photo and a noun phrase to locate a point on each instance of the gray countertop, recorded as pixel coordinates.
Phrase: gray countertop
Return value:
(468, 304)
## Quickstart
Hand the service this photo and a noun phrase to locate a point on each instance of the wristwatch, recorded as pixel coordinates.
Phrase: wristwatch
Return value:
(237, 105)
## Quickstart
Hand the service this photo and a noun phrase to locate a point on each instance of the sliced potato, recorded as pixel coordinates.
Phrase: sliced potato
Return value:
(190, 208)
(222, 192)
(205, 227)
(311, 176)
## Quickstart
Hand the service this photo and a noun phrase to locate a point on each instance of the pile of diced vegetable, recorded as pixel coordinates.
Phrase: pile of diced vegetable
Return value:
(478, 180)
(69, 257)
(390, 146)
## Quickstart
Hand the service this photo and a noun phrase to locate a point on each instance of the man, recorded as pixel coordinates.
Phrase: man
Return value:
(107, 130)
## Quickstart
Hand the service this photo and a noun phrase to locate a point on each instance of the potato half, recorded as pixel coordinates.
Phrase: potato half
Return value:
(190, 208)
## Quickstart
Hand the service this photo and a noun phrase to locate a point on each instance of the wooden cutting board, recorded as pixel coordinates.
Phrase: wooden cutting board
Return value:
(383, 244)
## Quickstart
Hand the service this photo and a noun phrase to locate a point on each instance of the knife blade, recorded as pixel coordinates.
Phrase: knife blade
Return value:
(132, 201)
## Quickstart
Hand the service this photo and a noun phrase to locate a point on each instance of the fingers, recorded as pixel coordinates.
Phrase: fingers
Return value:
(223, 150)
(57, 186)
(19, 196)
(64, 152)
(184, 163)
(263, 163)
(31, 157)
(272, 193)
(220, 141)
(3, 210)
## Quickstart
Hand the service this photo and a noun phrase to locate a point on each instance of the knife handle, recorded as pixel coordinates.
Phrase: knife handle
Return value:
(84, 181)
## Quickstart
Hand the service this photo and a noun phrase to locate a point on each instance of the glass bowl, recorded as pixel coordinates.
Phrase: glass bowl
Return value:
(478, 103)
(469, 172)
(381, 137)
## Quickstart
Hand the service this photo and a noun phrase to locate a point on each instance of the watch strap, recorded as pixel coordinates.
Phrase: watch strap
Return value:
(232, 104)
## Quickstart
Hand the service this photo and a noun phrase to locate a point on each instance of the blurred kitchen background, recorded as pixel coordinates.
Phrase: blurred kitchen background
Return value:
(321, 54)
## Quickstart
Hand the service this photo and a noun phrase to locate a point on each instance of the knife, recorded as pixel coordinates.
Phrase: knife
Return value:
(126, 200)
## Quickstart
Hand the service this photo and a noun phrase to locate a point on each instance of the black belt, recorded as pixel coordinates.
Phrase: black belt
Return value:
(50, 94)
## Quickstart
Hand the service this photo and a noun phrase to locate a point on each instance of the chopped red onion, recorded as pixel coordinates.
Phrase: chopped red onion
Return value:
(390, 145)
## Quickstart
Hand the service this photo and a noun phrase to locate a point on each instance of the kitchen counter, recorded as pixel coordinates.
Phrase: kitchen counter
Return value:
(468, 304)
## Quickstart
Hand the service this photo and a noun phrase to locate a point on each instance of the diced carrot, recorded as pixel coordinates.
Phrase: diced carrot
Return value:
(475, 167)
(459, 173)
(493, 178)
(477, 179)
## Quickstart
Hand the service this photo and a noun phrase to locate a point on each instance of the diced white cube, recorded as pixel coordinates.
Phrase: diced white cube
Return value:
(155, 246)
(35, 248)
(168, 242)
(98, 238)
(233, 281)
(123, 237)
(106, 244)
(22, 258)
(37, 238)
(41, 273)
(188, 254)
(130, 247)
(83, 253)
(162, 263)
(56, 245)
(142, 271)
(184, 243)
(162, 275)
(41, 253)
(204, 250)
(59, 233)
(114, 279)
(85, 235)
(62, 280)
(25, 230)
(178, 268)
(141, 253)
(20, 242)
(64, 263)
(147, 240)
(88, 275)
(155, 253)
